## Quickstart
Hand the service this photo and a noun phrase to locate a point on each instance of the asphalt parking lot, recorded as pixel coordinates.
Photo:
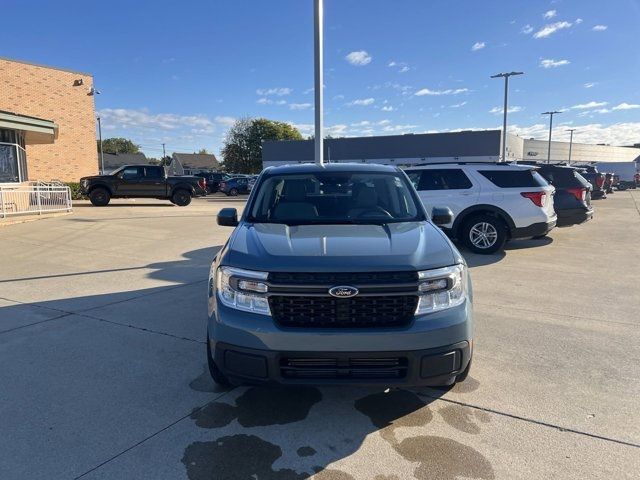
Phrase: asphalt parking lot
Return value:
(102, 324)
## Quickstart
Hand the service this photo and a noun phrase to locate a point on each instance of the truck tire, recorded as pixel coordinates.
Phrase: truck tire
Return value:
(484, 234)
(181, 197)
(216, 375)
(100, 197)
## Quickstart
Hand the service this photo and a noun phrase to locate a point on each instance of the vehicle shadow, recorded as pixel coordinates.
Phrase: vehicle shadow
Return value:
(280, 433)
(479, 260)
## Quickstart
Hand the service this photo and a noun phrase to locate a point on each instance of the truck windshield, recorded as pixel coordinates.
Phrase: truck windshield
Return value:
(333, 198)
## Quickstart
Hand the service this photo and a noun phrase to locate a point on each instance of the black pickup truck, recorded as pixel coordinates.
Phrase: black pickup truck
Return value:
(142, 181)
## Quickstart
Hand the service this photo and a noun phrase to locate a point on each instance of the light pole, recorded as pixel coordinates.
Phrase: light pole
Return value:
(101, 153)
(503, 142)
(570, 142)
(318, 78)
(551, 114)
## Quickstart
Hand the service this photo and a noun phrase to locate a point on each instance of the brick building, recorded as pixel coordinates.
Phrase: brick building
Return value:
(47, 123)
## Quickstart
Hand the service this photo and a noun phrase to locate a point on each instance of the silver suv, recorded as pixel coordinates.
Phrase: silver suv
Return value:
(337, 274)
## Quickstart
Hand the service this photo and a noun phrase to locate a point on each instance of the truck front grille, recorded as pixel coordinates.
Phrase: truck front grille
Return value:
(354, 312)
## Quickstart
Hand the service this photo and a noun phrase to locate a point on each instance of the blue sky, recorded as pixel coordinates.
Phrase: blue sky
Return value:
(180, 72)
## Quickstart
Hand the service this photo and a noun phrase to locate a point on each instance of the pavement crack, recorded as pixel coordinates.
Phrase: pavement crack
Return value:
(167, 427)
(532, 420)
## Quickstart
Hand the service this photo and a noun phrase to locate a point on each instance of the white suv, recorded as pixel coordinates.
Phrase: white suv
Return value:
(491, 202)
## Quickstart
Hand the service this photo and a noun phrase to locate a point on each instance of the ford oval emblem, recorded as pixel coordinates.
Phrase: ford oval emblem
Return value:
(343, 291)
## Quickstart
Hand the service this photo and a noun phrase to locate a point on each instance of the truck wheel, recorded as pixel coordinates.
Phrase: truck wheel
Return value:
(181, 197)
(216, 375)
(484, 234)
(233, 192)
(100, 197)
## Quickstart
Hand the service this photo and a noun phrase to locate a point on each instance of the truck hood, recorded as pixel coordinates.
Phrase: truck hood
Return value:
(319, 248)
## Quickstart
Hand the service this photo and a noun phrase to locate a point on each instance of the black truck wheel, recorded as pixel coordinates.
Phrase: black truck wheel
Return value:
(181, 197)
(233, 192)
(100, 197)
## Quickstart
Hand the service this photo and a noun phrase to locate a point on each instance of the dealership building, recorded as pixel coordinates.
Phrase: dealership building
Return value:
(418, 149)
(47, 123)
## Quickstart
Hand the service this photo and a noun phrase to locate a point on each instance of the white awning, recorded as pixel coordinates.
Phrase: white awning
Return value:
(36, 130)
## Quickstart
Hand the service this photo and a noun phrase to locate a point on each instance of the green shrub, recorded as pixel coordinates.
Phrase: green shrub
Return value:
(76, 191)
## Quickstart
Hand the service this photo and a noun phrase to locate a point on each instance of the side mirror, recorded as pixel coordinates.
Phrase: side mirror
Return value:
(441, 216)
(228, 217)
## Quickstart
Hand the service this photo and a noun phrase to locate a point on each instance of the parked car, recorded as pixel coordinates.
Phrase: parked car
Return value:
(142, 181)
(572, 199)
(336, 274)
(252, 183)
(235, 186)
(491, 202)
(596, 179)
(213, 180)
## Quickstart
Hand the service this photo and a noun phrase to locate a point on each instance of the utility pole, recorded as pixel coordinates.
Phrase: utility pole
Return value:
(570, 142)
(503, 141)
(101, 153)
(164, 154)
(551, 114)
(318, 79)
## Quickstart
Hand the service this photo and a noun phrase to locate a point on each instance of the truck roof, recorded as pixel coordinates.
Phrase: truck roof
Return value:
(330, 167)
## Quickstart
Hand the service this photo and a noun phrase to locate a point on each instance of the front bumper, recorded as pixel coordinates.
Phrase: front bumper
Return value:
(573, 216)
(431, 367)
(534, 230)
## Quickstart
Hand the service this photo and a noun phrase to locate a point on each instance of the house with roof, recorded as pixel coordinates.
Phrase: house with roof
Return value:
(113, 161)
(190, 163)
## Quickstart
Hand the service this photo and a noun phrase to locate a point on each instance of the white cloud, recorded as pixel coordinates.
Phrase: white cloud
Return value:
(478, 46)
(274, 91)
(626, 106)
(363, 123)
(362, 102)
(392, 63)
(585, 106)
(458, 105)
(613, 134)
(578, 21)
(387, 108)
(398, 128)
(225, 121)
(404, 69)
(500, 110)
(527, 29)
(448, 91)
(550, 29)
(551, 63)
(590, 84)
(300, 106)
(338, 97)
(358, 58)
(599, 28)
(268, 101)
(549, 14)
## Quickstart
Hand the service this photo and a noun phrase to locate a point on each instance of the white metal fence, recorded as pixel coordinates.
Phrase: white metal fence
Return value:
(36, 198)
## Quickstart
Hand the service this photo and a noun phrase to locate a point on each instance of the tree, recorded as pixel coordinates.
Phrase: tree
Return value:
(118, 145)
(242, 150)
(203, 151)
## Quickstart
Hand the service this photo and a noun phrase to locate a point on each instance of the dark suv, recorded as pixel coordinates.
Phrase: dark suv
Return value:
(597, 180)
(213, 180)
(572, 201)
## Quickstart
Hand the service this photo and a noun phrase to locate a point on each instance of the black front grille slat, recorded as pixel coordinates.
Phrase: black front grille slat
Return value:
(350, 368)
(355, 312)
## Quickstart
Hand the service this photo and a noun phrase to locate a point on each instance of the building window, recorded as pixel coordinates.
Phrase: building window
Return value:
(13, 157)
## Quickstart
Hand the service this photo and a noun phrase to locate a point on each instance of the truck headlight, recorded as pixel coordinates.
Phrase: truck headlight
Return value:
(441, 288)
(243, 289)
